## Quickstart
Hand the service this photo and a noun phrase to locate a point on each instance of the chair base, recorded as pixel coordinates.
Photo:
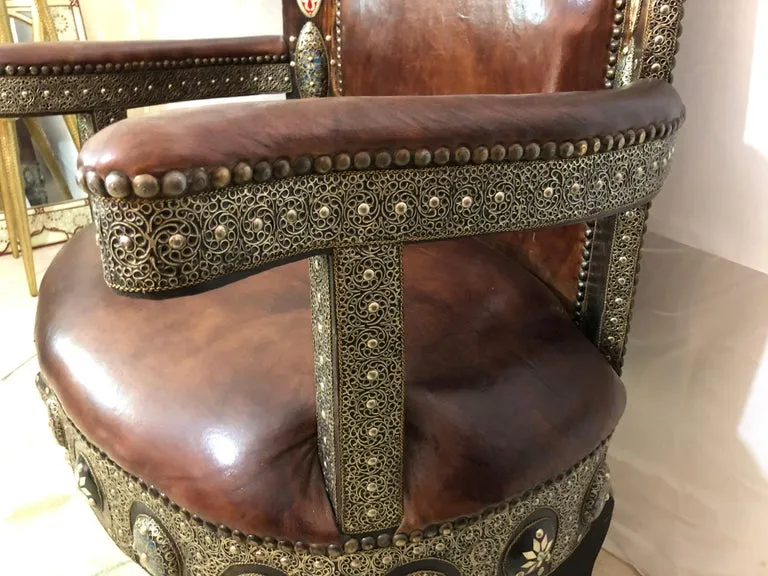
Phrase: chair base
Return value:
(555, 528)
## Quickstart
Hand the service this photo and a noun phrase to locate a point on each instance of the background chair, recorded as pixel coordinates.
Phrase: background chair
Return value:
(455, 417)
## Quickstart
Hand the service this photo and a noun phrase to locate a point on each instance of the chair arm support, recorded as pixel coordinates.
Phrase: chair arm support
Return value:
(288, 179)
(67, 77)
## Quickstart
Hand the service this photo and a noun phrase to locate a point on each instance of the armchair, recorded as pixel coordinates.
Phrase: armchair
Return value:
(435, 396)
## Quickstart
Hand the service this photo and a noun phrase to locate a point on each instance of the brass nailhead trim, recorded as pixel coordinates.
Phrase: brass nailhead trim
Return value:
(175, 183)
(615, 44)
(145, 186)
(383, 540)
(136, 65)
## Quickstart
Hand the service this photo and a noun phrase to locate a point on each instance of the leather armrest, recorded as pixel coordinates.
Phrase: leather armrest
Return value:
(70, 77)
(32, 58)
(189, 197)
(223, 136)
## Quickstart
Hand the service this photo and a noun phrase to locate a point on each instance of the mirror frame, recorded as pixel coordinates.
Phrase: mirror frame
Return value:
(58, 221)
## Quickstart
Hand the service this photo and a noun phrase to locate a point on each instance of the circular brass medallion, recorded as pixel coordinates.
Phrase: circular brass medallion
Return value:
(529, 553)
(153, 548)
(86, 482)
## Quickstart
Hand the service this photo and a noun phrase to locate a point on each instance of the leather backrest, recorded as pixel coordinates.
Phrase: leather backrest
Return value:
(399, 47)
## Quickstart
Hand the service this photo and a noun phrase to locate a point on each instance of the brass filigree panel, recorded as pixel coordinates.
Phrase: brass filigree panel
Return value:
(21, 95)
(322, 331)
(661, 41)
(367, 304)
(622, 268)
(167, 244)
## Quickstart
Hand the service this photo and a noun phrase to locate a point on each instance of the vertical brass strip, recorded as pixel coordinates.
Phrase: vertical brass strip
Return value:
(623, 268)
(649, 45)
(661, 39)
(323, 335)
(369, 413)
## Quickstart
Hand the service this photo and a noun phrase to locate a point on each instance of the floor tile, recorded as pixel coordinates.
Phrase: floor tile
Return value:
(17, 308)
(43, 518)
(609, 565)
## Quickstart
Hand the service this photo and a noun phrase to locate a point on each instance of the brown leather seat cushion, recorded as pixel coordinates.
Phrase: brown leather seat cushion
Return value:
(211, 397)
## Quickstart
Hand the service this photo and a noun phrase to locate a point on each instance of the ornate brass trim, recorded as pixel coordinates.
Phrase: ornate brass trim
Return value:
(369, 412)
(615, 248)
(72, 93)
(323, 331)
(336, 62)
(661, 41)
(311, 62)
(170, 244)
(623, 264)
(619, 24)
(473, 545)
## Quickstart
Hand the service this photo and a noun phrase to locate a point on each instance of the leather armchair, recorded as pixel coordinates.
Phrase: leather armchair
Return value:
(435, 395)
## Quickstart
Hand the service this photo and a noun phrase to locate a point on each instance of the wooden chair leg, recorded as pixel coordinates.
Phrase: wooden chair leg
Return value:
(582, 561)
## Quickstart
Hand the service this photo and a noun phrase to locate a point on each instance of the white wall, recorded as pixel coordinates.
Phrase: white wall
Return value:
(717, 195)
(180, 19)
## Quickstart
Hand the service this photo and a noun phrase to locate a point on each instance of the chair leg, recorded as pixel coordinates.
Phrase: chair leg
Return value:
(8, 209)
(582, 561)
(10, 153)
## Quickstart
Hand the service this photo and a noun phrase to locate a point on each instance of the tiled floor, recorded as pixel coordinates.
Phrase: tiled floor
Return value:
(46, 527)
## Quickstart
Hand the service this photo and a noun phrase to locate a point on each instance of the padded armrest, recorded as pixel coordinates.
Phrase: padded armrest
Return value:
(442, 127)
(188, 197)
(69, 77)
(33, 57)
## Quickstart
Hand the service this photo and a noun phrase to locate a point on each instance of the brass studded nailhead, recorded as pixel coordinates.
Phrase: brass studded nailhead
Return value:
(242, 173)
(302, 165)
(402, 157)
(383, 160)
(174, 184)
(221, 177)
(323, 164)
(422, 158)
(362, 160)
(480, 155)
(281, 168)
(532, 151)
(117, 185)
(442, 156)
(463, 155)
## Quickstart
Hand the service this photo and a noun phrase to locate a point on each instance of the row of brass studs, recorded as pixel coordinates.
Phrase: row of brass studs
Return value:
(176, 183)
(109, 67)
(586, 257)
(350, 545)
(615, 43)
